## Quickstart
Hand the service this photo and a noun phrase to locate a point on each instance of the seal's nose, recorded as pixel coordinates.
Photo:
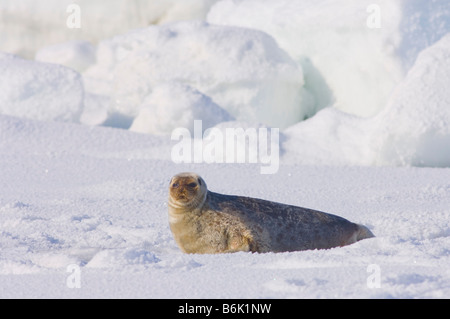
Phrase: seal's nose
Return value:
(182, 192)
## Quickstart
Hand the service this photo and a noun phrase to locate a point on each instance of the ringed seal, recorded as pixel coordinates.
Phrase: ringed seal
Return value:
(205, 222)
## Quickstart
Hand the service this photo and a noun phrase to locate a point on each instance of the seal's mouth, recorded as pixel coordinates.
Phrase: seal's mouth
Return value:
(182, 195)
(182, 198)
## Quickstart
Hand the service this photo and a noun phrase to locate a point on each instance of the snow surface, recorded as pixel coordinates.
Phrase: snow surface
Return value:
(96, 197)
(85, 143)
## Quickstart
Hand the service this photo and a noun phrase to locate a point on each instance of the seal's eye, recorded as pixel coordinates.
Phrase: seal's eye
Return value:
(192, 185)
(175, 185)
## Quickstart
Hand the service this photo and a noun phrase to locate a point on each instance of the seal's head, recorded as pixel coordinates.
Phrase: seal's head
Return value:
(187, 191)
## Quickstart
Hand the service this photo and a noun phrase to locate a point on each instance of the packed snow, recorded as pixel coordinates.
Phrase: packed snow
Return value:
(87, 115)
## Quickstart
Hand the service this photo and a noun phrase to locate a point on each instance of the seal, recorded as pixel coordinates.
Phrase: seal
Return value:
(205, 222)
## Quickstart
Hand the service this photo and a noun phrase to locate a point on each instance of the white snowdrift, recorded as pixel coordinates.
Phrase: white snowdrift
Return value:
(353, 53)
(27, 25)
(174, 105)
(331, 137)
(241, 70)
(40, 91)
(159, 78)
(415, 126)
(413, 129)
(77, 55)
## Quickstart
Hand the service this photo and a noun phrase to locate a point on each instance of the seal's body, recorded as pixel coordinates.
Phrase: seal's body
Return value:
(207, 222)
